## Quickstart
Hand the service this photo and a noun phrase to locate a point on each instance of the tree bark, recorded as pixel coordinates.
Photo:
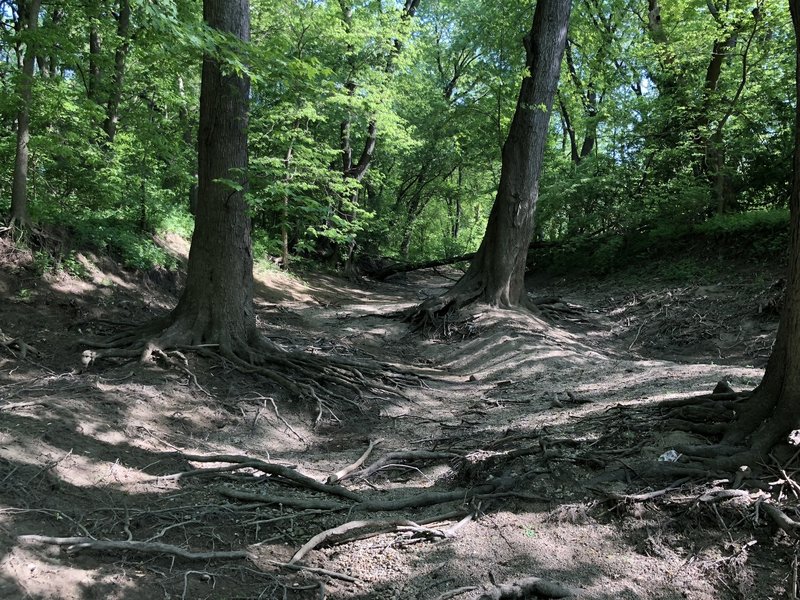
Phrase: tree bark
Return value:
(120, 55)
(29, 22)
(496, 274)
(95, 74)
(216, 305)
(774, 409)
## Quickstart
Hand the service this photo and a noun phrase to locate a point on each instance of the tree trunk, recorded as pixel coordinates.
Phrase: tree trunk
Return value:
(774, 409)
(216, 305)
(496, 274)
(94, 63)
(29, 21)
(112, 108)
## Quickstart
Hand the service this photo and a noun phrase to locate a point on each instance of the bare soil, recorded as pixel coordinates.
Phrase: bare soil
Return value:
(524, 418)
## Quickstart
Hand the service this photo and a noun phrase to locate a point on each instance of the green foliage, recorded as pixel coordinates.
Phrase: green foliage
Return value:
(640, 143)
(674, 251)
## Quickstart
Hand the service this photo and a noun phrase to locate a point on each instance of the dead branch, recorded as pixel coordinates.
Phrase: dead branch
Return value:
(643, 497)
(457, 592)
(201, 472)
(326, 572)
(85, 543)
(348, 470)
(359, 530)
(399, 457)
(714, 496)
(12, 344)
(351, 531)
(274, 470)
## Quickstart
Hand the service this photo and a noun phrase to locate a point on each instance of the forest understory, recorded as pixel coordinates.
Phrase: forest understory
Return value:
(520, 464)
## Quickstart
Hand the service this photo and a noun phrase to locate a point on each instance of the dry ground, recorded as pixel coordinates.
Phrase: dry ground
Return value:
(523, 418)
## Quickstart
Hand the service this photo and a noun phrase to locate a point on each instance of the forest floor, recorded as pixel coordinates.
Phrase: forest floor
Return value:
(522, 419)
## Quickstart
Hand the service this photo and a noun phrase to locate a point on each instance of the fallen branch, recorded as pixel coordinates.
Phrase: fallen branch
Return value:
(400, 456)
(332, 574)
(275, 470)
(85, 543)
(12, 344)
(720, 495)
(359, 530)
(457, 592)
(350, 469)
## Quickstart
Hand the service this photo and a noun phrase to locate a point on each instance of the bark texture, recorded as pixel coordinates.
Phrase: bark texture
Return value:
(216, 305)
(28, 22)
(774, 409)
(496, 274)
(123, 17)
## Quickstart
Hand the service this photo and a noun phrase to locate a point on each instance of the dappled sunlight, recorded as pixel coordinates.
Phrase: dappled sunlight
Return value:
(106, 445)
(55, 578)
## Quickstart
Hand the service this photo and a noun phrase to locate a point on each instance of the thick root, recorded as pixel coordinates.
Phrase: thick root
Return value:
(332, 384)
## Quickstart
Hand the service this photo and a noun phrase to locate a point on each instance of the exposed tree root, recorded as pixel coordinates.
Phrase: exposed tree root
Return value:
(86, 543)
(359, 530)
(332, 383)
(16, 345)
(527, 587)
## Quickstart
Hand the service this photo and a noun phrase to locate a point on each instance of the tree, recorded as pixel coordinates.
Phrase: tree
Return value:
(773, 410)
(216, 309)
(496, 274)
(27, 23)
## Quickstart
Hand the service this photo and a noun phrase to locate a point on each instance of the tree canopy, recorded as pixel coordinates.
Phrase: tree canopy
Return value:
(377, 127)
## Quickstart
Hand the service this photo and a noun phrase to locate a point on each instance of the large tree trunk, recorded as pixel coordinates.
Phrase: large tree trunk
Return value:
(29, 21)
(216, 305)
(774, 409)
(497, 273)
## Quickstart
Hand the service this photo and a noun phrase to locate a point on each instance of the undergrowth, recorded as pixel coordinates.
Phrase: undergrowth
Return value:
(672, 251)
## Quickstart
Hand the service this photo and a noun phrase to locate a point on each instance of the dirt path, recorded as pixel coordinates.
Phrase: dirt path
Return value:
(520, 416)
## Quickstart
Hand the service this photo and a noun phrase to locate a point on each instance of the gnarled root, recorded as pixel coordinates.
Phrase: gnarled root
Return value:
(332, 383)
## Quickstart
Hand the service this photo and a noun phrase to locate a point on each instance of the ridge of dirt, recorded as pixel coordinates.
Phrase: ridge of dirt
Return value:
(548, 404)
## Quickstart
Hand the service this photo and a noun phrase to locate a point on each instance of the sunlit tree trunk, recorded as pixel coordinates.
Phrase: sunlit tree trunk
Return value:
(216, 305)
(497, 273)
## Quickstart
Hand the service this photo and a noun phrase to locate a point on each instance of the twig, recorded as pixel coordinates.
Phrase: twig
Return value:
(285, 422)
(334, 574)
(348, 470)
(637, 333)
(85, 543)
(457, 592)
